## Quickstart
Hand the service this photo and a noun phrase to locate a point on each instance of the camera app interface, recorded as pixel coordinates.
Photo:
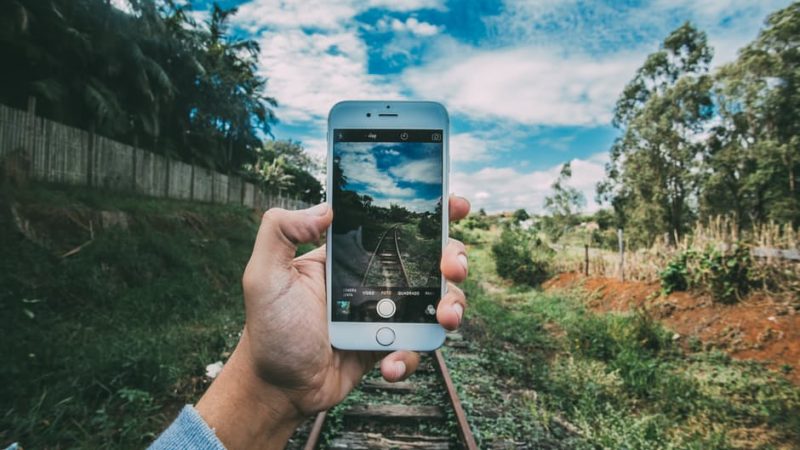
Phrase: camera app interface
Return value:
(387, 225)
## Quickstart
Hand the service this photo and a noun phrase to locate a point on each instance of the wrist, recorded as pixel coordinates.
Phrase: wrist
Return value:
(245, 411)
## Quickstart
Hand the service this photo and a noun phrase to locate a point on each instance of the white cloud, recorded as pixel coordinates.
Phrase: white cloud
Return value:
(508, 188)
(530, 85)
(418, 171)
(313, 56)
(122, 5)
(466, 147)
(412, 204)
(320, 14)
(411, 25)
(360, 166)
(309, 73)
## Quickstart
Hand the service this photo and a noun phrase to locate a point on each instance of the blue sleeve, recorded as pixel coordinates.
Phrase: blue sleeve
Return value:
(189, 431)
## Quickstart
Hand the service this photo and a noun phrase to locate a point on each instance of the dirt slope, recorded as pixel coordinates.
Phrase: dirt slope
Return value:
(757, 328)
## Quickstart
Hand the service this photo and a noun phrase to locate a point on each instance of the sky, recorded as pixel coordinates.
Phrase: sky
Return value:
(408, 174)
(528, 85)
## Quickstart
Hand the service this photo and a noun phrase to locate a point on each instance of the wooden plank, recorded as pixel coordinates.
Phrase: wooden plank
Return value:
(401, 387)
(369, 441)
(766, 252)
(394, 412)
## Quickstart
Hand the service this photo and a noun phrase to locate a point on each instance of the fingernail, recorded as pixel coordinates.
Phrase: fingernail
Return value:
(319, 210)
(399, 369)
(462, 258)
(459, 311)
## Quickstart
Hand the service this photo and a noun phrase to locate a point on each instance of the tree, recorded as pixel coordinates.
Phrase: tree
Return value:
(563, 204)
(753, 154)
(296, 163)
(273, 175)
(651, 180)
(521, 215)
(152, 77)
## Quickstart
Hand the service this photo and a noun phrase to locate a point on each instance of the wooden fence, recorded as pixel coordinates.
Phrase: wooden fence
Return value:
(647, 264)
(54, 152)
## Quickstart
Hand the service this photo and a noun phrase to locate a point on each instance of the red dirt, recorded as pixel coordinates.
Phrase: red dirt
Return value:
(757, 328)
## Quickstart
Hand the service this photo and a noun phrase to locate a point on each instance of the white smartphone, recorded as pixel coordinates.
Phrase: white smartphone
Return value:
(387, 185)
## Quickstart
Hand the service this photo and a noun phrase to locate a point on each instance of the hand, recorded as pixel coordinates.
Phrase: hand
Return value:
(284, 367)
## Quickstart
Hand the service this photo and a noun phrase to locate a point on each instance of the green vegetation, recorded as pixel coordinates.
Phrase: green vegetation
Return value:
(563, 205)
(554, 374)
(696, 144)
(522, 257)
(723, 274)
(152, 77)
(104, 346)
(156, 76)
(284, 166)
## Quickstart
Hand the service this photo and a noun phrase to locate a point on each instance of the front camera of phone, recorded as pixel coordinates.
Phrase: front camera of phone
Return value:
(387, 106)
(369, 114)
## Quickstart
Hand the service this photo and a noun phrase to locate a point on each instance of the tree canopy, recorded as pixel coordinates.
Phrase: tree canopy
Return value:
(153, 76)
(696, 144)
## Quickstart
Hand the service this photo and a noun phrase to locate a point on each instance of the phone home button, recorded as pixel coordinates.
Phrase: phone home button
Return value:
(385, 336)
(385, 308)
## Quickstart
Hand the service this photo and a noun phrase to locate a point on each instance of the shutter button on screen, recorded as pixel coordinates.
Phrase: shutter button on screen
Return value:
(386, 308)
(385, 336)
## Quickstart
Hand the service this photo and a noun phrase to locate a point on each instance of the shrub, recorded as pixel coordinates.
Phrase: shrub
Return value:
(521, 257)
(675, 277)
(725, 275)
(465, 235)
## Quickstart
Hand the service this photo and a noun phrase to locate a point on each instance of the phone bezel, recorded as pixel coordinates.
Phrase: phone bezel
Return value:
(405, 115)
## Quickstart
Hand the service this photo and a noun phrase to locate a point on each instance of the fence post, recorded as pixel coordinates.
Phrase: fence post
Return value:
(191, 184)
(133, 160)
(90, 157)
(29, 142)
(621, 254)
(166, 176)
(586, 259)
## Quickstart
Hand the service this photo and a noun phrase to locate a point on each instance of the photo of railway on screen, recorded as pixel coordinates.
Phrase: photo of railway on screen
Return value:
(387, 223)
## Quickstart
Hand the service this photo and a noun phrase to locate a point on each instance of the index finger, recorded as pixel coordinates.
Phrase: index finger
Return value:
(459, 207)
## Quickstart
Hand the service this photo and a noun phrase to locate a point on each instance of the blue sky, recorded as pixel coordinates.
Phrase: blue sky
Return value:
(403, 173)
(529, 85)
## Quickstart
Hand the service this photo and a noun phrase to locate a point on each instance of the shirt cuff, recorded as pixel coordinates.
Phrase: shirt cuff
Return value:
(189, 431)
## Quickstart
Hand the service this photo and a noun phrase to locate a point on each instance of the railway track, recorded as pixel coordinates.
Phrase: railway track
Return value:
(421, 413)
(386, 266)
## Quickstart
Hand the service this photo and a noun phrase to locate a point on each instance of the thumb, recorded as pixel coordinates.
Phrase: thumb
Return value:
(282, 230)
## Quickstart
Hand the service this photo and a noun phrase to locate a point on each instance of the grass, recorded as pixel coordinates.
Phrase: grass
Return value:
(583, 380)
(101, 348)
(104, 346)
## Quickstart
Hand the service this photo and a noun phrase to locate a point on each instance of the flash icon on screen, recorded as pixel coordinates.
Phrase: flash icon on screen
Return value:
(436, 137)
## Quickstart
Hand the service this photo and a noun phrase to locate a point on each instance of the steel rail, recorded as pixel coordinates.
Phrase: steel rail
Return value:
(375, 252)
(464, 431)
(316, 431)
(400, 258)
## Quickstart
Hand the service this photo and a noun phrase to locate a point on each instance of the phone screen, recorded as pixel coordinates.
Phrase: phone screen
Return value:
(387, 225)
